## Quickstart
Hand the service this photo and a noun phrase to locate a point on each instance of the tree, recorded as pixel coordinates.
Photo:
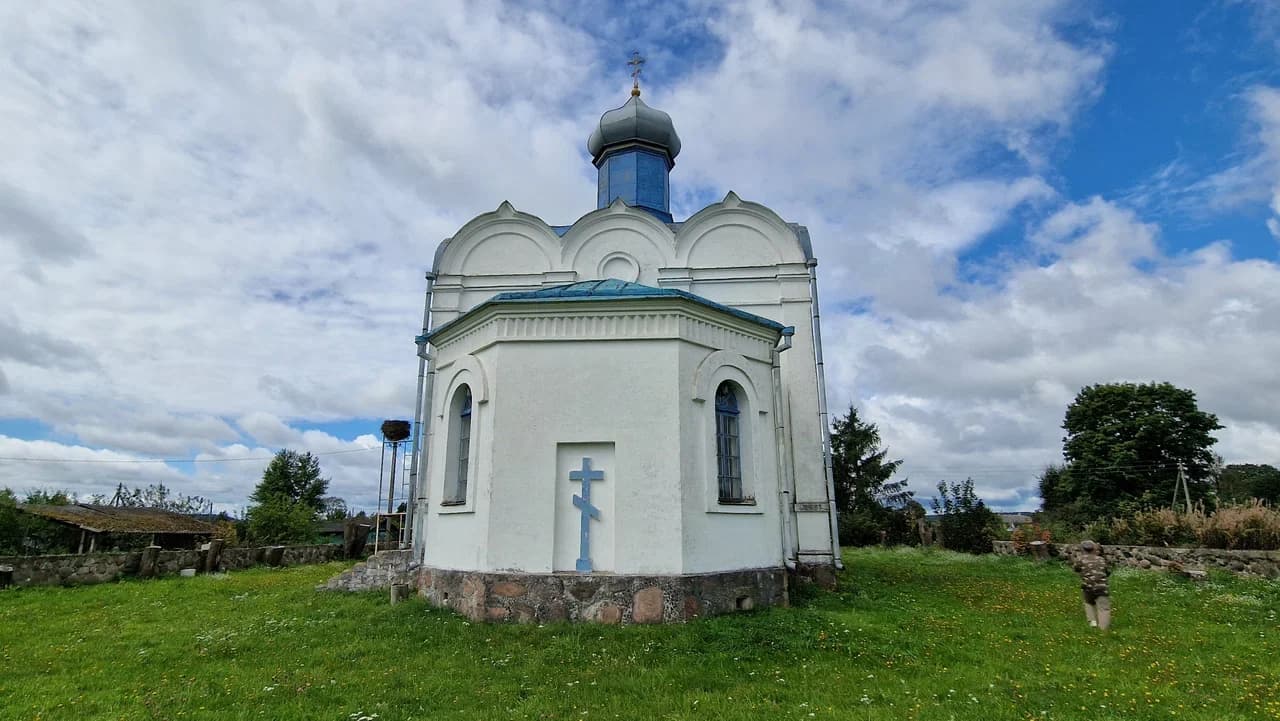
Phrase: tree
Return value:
(295, 476)
(26, 534)
(1242, 481)
(1061, 501)
(288, 500)
(967, 524)
(1123, 446)
(873, 508)
(276, 520)
(859, 466)
(156, 495)
(41, 497)
(333, 508)
(12, 533)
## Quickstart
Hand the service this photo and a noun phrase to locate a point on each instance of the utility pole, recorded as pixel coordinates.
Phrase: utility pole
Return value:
(1181, 485)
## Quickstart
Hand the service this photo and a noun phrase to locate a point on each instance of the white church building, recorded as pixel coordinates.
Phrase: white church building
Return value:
(622, 420)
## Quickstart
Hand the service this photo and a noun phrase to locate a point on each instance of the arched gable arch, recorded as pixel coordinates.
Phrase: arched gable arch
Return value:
(504, 241)
(619, 231)
(735, 232)
(720, 366)
(467, 369)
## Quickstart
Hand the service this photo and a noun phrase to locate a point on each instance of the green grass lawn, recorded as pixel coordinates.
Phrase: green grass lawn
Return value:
(910, 635)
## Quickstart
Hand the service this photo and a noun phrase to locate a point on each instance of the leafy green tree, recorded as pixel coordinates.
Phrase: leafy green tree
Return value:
(295, 476)
(288, 500)
(1061, 501)
(1242, 481)
(26, 534)
(277, 520)
(41, 497)
(333, 508)
(11, 530)
(1123, 445)
(967, 524)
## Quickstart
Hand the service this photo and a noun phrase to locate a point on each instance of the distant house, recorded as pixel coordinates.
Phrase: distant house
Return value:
(97, 522)
(1013, 520)
(331, 532)
(1009, 520)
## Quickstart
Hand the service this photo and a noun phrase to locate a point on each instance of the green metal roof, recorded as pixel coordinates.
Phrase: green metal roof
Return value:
(610, 289)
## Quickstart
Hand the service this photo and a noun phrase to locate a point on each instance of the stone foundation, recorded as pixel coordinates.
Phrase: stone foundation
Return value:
(376, 573)
(600, 598)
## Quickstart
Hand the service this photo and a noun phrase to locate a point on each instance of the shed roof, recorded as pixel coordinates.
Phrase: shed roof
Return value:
(120, 519)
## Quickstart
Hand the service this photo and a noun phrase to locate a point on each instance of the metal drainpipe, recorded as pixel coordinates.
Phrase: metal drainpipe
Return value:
(823, 418)
(780, 435)
(420, 418)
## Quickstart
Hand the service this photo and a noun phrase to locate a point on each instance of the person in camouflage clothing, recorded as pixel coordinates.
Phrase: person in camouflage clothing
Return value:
(1093, 570)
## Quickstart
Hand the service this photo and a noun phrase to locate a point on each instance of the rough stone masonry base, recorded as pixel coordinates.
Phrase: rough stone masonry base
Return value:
(601, 598)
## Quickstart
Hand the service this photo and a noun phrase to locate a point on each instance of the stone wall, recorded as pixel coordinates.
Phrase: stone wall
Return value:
(1247, 563)
(375, 574)
(600, 598)
(86, 568)
(308, 555)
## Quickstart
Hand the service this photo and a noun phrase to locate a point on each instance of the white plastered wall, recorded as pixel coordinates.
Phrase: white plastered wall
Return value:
(618, 381)
(727, 536)
(456, 534)
(734, 252)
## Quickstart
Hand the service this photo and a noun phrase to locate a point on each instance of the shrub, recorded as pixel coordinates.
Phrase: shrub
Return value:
(859, 528)
(870, 526)
(226, 530)
(1248, 526)
(967, 524)
(279, 519)
(1024, 534)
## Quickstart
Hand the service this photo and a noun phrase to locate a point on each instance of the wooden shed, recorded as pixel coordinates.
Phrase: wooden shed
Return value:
(165, 528)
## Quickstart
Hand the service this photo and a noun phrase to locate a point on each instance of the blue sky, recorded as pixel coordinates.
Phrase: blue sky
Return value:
(214, 218)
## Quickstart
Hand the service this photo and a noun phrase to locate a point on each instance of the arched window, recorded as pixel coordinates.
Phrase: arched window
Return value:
(728, 445)
(459, 455)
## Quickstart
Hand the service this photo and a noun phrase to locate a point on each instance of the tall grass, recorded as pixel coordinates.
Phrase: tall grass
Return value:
(1245, 526)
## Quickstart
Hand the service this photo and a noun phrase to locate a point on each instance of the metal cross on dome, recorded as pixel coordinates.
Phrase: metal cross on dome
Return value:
(637, 66)
(583, 503)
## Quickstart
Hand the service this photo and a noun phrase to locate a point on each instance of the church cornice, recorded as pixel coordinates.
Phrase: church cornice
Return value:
(650, 319)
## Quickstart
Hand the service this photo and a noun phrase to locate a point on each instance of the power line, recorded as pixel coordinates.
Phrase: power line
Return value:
(1039, 468)
(173, 460)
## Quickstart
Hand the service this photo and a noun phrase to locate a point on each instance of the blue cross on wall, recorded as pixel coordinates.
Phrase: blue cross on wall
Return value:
(583, 503)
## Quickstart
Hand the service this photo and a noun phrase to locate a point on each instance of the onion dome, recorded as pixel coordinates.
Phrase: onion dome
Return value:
(635, 123)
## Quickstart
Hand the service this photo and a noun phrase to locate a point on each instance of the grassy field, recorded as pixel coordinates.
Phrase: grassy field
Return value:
(910, 635)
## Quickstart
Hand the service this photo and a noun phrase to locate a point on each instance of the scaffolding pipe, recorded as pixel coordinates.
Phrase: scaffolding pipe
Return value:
(421, 417)
(823, 418)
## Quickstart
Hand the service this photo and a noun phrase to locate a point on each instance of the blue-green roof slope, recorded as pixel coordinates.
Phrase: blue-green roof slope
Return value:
(606, 290)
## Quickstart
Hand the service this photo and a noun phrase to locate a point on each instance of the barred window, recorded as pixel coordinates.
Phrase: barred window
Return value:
(459, 459)
(728, 445)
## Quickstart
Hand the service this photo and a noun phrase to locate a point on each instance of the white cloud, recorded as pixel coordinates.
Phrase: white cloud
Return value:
(1010, 359)
(214, 218)
(1251, 177)
(1265, 102)
(225, 474)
